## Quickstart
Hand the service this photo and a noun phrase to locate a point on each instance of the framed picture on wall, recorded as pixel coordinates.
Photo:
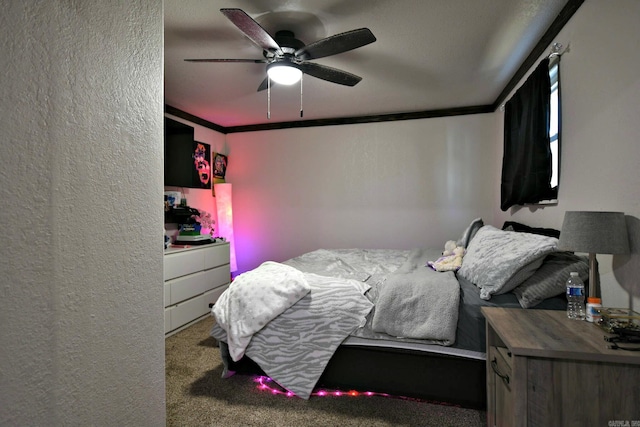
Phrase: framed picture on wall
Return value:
(202, 165)
(219, 169)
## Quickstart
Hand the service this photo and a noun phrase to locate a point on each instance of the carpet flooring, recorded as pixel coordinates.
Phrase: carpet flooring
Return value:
(198, 396)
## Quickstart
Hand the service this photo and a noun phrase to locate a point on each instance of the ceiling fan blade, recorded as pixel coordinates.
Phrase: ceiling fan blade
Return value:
(265, 84)
(329, 74)
(338, 43)
(255, 61)
(251, 28)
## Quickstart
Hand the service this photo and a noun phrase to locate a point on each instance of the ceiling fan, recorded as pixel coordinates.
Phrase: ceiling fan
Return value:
(287, 57)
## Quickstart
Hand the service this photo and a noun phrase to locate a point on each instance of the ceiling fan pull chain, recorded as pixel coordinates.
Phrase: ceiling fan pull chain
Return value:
(268, 98)
(301, 111)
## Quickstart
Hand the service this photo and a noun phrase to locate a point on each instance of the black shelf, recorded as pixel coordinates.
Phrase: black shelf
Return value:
(180, 215)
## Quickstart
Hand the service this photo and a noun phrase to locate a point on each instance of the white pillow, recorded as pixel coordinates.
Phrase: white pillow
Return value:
(470, 232)
(497, 261)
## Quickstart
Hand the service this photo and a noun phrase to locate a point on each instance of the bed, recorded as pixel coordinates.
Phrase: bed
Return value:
(401, 322)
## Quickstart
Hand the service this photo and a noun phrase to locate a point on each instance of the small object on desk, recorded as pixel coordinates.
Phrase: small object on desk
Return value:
(618, 318)
(624, 339)
(172, 198)
(575, 297)
(593, 315)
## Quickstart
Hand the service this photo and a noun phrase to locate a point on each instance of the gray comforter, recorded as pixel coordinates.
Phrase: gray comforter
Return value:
(418, 302)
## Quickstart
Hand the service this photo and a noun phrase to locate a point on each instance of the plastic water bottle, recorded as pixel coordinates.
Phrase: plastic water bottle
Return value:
(575, 297)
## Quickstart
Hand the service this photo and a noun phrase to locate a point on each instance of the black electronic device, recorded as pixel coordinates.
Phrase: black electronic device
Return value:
(181, 215)
(187, 162)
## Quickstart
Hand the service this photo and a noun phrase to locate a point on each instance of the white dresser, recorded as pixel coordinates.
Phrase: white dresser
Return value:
(194, 277)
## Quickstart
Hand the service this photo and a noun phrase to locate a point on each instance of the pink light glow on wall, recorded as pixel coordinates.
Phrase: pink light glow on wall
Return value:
(225, 219)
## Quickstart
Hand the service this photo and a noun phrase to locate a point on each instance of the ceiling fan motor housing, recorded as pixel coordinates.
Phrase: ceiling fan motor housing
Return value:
(288, 39)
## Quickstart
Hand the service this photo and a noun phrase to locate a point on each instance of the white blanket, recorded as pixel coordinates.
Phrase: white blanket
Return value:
(254, 299)
(295, 347)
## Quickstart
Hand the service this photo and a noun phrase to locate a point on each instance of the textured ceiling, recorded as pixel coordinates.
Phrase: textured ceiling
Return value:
(429, 55)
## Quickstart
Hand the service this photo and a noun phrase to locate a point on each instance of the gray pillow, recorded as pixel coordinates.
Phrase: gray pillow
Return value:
(550, 279)
(470, 232)
(497, 261)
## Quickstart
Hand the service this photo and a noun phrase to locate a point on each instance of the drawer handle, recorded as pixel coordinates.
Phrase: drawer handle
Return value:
(494, 366)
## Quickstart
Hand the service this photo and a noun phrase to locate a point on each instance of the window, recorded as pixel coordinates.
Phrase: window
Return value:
(554, 119)
(527, 164)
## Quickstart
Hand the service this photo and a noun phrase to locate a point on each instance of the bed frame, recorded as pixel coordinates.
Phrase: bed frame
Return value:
(401, 373)
(405, 373)
(433, 377)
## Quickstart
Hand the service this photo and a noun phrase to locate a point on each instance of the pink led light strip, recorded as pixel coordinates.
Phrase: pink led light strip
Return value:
(264, 384)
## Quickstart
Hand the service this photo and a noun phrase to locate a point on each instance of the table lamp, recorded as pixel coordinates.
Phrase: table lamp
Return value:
(594, 233)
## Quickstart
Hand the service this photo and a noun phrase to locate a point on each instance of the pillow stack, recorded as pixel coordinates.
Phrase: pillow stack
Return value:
(498, 261)
(519, 259)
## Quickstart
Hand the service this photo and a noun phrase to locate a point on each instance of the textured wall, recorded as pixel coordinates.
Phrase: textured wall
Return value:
(81, 182)
(381, 185)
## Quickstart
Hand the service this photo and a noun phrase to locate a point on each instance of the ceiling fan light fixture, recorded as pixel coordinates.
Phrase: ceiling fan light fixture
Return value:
(284, 73)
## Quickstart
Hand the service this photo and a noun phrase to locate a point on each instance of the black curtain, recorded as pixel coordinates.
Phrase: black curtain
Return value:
(526, 164)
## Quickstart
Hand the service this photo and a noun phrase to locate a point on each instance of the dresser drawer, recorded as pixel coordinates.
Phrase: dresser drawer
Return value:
(182, 263)
(500, 379)
(178, 264)
(503, 361)
(216, 255)
(212, 296)
(188, 311)
(192, 285)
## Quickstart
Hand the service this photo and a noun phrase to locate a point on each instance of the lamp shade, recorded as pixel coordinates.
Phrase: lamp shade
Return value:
(594, 232)
(284, 72)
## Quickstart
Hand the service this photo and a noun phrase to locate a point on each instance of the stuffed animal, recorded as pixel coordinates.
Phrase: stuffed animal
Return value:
(449, 248)
(451, 259)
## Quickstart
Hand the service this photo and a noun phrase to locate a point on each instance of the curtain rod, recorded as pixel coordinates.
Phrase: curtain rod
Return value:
(557, 50)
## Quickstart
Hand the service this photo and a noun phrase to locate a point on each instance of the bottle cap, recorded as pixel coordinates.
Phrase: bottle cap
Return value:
(594, 300)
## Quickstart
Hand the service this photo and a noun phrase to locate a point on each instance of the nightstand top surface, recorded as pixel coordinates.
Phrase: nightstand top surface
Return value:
(548, 333)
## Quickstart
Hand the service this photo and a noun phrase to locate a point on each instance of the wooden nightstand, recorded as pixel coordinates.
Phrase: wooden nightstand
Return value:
(546, 370)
